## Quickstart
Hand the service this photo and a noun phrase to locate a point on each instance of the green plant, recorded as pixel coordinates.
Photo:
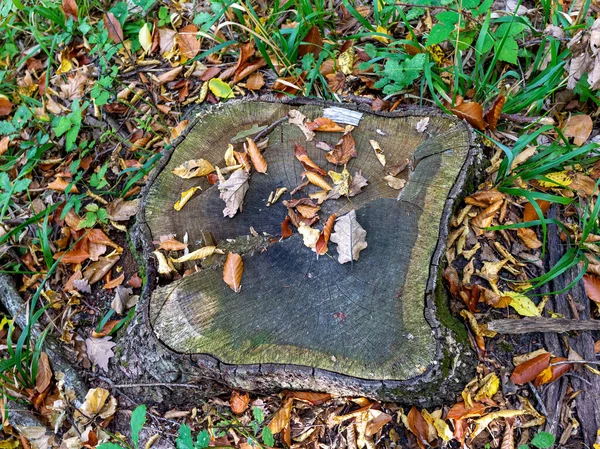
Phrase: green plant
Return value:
(138, 419)
(542, 440)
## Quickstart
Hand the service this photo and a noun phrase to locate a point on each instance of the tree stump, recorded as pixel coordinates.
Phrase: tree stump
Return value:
(378, 326)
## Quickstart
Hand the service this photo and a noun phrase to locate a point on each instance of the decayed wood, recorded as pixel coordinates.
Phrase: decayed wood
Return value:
(542, 324)
(299, 322)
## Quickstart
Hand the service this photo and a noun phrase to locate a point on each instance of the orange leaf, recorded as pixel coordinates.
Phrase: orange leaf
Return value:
(418, 426)
(321, 246)
(592, 287)
(472, 113)
(579, 127)
(70, 9)
(529, 213)
(239, 402)
(325, 124)
(115, 282)
(188, 44)
(232, 271)
(60, 184)
(113, 26)
(44, 373)
(106, 329)
(286, 231)
(312, 43)
(243, 159)
(255, 81)
(258, 161)
(281, 421)
(5, 106)
(552, 373)
(344, 150)
(302, 156)
(308, 396)
(494, 113)
(316, 180)
(172, 244)
(460, 411)
(529, 370)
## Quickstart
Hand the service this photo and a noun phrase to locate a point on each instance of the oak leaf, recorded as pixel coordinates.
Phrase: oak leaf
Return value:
(233, 191)
(344, 150)
(349, 236)
(232, 271)
(258, 161)
(99, 351)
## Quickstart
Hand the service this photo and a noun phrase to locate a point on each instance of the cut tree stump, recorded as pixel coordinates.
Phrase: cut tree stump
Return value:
(377, 327)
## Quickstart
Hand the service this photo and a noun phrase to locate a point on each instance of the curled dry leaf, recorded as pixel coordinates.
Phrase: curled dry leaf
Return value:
(378, 151)
(485, 217)
(310, 236)
(317, 180)
(113, 26)
(199, 254)
(493, 114)
(349, 236)
(233, 192)
(239, 402)
(258, 161)
(185, 197)
(232, 271)
(483, 422)
(395, 183)
(485, 198)
(324, 124)
(592, 287)
(301, 154)
(299, 119)
(172, 244)
(186, 39)
(344, 150)
(312, 43)
(321, 245)
(472, 113)
(286, 231)
(529, 370)
(579, 127)
(193, 168)
(70, 9)
(281, 421)
(164, 265)
(529, 238)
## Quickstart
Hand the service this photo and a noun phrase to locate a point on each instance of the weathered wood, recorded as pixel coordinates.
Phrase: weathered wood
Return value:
(541, 324)
(372, 327)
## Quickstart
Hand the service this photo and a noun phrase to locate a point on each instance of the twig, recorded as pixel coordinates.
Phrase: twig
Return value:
(538, 398)
(542, 324)
(517, 118)
(269, 129)
(569, 362)
(158, 384)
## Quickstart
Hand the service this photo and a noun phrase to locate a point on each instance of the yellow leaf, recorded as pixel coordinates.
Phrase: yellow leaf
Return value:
(229, 157)
(378, 151)
(346, 61)
(483, 422)
(489, 387)
(145, 37)
(9, 444)
(557, 179)
(309, 235)
(342, 180)
(201, 253)
(164, 265)
(185, 197)
(220, 88)
(65, 66)
(522, 304)
(193, 168)
(382, 30)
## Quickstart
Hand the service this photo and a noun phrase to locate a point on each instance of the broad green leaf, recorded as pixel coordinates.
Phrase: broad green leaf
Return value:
(508, 51)
(220, 88)
(439, 33)
(109, 446)
(202, 440)
(258, 414)
(267, 437)
(184, 440)
(543, 440)
(138, 419)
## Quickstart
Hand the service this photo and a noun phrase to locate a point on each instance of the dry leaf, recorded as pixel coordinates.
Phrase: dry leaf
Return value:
(484, 422)
(193, 168)
(145, 37)
(232, 271)
(592, 287)
(316, 180)
(321, 245)
(312, 43)
(341, 183)
(172, 244)
(43, 377)
(113, 26)
(579, 127)
(528, 371)
(494, 113)
(239, 402)
(529, 238)
(551, 373)
(121, 210)
(529, 213)
(344, 150)
(286, 231)
(61, 185)
(233, 192)
(258, 161)
(418, 426)
(472, 113)
(461, 411)
(310, 236)
(99, 351)
(124, 300)
(299, 119)
(422, 124)
(522, 304)
(301, 154)
(186, 39)
(349, 236)
(281, 421)
(164, 265)
(70, 9)
(395, 183)
(325, 124)
(185, 197)
(378, 152)
(346, 60)
(199, 254)
(255, 82)
(311, 397)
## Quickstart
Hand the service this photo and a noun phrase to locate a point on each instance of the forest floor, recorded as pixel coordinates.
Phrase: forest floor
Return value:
(92, 94)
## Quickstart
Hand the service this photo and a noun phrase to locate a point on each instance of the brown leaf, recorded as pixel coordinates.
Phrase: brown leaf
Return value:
(255, 82)
(61, 185)
(344, 150)
(43, 377)
(115, 282)
(592, 287)
(528, 371)
(286, 231)
(307, 163)
(321, 246)
(311, 397)
(461, 411)
(113, 26)
(472, 113)
(281, 421)
(239, 402)
(70, 9)
(232, 271)
(242, 159)
(418, 426)
(97, 270)
(233, 191)
(484, 198)
(579, 127)
(172, 244)
(5, 106)
(494, 113)
(167, 77)
(186, 39)
(529, 213)
(551, 373)
(316, 180)
(121, 210)
(529, 238)
(135, 281)
(484, 218)
(258, 161)
(106, 329)
(325, 124)
(349, 236)
(312, 43)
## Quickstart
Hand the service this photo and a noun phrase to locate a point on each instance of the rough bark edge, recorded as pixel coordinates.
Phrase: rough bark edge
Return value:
(444, 378)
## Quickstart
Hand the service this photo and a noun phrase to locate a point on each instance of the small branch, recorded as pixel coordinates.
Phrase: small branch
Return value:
(158, 384)
(572, 362)
(269, 129)
(517, 118)
(538, 398)
(542, 324)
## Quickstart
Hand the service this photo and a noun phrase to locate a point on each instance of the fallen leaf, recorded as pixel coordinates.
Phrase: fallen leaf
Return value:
(43, 377)
(344, 150)
(346, 60)
(185, 197)
(239, 402)
(145, 37)
(312, 43)
(165, 78)
(232, 271)
(529, 238)
(164, 265)
(255, 82)
(188, 43)
(556, 179)
(172, 244)
(281, 421)
(323, 240)
(493, 114)
(395, 183)
(579, 127)
(472, 113)
(286, 231)
(485, 218)
(99, 351)
(489, 386)
(220, 88)
(311, 397)
(61, 185)
(378, 152)
(325, 124)
(193, 168)
(113, 26)
(485, 421)
(97, 270)
(124, 300)
(96, 404)
(301, 154)
(310, 236)
(121, 210)
(418, 426)
(349, 236)
(529, 370)
(422, 124)
(258, 161)
(358, 182)
(317, 180)
(199, 254)
(5, 106)
(522, 304)
(461, 411)
(592, 287)
(233, 191)
(529, 213)
(70, 9)
(114, 282)
(341, 182)
(295, 117)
